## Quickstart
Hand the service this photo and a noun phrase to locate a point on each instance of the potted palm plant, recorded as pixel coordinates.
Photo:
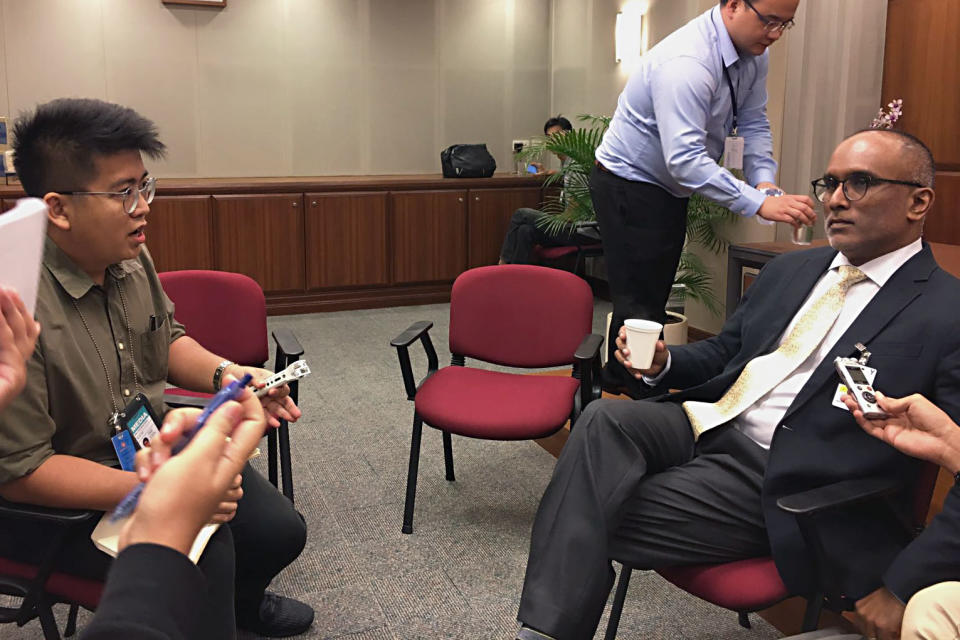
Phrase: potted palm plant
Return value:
(573, 206)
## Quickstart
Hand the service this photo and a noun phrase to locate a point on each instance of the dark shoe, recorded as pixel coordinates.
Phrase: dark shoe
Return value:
(278, 617)
(529, 633)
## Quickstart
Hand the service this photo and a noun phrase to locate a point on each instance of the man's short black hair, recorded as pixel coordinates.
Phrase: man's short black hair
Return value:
(55, 146)
(917, 155)
(557, 121)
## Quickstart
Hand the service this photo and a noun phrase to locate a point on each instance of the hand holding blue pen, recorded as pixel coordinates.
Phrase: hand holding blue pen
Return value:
(232, 391)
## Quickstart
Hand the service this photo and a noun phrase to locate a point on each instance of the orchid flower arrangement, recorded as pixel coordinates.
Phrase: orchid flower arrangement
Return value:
(886, 119)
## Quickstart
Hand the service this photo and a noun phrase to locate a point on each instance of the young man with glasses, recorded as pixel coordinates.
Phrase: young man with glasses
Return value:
(109, 334)
(693, 477)
(700, 90)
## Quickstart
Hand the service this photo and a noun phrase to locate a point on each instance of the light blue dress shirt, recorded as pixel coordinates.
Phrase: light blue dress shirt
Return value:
(675, 112)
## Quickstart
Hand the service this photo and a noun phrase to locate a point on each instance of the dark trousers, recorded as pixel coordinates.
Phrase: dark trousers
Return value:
(643, 229)
(632, 485)
(239, 562)
(524, 233)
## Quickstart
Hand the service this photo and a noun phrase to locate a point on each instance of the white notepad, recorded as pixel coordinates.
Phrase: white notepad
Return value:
(22, 230)
(106, 536)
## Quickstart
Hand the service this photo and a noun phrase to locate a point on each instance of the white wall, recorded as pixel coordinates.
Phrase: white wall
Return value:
(292, 87)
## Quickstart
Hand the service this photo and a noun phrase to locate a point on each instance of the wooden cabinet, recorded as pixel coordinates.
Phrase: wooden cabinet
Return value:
(346, 239)
(6, 205)
(488, 217)
(180, 232)
(428, 231)
(261, 236)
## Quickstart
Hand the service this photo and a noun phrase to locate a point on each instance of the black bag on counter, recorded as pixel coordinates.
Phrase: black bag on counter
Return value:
(467, 161)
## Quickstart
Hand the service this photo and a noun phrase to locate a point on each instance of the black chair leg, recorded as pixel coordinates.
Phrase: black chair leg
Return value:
(272, 457)
(412, 474)
(617, 609)
(448, 455)
(744, 619)
(47, 622)
(811, 617)
(72, 620)
(286, 470)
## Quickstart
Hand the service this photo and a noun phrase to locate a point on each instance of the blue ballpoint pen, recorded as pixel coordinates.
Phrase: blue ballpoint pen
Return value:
(230, 392)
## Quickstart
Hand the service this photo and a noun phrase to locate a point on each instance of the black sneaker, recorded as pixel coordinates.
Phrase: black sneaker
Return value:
(279, 617)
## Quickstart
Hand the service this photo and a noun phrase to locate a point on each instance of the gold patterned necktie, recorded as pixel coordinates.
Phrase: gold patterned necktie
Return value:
(763, 373)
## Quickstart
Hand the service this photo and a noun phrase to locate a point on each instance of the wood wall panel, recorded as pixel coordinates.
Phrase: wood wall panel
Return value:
(346, 239)
(262, 237)
(943, 221)
(488, 217)
(922, 65)
(180, 232)
(428, 232)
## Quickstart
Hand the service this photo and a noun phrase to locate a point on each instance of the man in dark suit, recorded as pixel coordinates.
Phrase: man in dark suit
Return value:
(693, 477)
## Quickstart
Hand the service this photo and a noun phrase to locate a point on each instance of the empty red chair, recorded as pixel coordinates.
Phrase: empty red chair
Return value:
(512, 315)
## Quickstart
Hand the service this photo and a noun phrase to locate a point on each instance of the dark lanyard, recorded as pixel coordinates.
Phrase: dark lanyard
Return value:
(733, 98)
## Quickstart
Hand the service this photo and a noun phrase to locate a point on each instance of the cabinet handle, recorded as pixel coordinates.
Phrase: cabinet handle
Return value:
(313, 204)
(294, 203)
(476, 198)
(460, 199)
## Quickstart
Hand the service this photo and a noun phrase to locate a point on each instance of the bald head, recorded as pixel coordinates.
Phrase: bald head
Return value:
(915, 157)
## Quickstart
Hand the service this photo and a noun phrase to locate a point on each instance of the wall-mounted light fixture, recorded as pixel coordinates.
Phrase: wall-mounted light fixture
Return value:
(629, 32)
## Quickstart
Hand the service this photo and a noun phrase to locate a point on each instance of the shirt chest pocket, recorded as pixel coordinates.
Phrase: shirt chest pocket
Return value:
(154, 354)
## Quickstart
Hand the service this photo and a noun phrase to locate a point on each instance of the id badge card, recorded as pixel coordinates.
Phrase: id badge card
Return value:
(139, 420)
(126, 451)
(733, 152)
(841, 391)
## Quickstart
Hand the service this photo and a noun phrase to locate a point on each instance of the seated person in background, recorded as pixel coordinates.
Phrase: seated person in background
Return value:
(919, 429)
(525, 232)
(153, 589)
(693, 477)
(109, 333)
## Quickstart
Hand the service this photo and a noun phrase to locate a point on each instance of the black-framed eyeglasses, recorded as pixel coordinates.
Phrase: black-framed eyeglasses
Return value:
(854, 186)
(771, 24)
(129, 196)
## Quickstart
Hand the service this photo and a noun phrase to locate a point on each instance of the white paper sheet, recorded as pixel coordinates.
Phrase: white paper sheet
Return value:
(22, 230)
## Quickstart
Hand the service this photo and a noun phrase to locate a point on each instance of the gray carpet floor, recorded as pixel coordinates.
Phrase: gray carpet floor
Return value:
(459, 575)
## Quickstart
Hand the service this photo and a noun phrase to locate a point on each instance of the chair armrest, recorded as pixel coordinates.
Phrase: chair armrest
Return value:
(178, 402)
(418, 330)
(839, 494)
(20, 511)
(586, 367)
(287, 343)
(589, 348)
(588, 224)
(412, 333)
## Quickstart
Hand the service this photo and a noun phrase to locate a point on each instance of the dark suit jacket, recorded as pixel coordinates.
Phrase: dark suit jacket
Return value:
(152, 593)
(912, 328)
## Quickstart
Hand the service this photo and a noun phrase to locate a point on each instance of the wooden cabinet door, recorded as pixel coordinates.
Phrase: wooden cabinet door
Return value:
(428, 231)
(922, 65)
(180, 232)
(488, 217)
(346, 239)
(262, 236)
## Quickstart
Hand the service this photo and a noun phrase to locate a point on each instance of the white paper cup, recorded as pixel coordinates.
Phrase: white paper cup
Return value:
(642, 336)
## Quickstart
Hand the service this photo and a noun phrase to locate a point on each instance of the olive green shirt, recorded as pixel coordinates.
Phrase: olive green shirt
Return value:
(67, 401)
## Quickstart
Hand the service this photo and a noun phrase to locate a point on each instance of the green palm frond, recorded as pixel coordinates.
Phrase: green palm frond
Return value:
(706, 220)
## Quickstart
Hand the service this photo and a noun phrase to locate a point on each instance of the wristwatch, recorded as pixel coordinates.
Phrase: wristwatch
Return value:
(218, 374)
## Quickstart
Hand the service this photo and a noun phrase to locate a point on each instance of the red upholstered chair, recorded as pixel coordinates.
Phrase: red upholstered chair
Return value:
(512, 315)
(227, 314)
(746, 586)
(582, 251)
(39, 587)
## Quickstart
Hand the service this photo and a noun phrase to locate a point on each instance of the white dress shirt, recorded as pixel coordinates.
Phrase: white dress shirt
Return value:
(760, 420)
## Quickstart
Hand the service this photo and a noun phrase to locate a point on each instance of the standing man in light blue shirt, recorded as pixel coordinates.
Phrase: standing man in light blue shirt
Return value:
(701, 89)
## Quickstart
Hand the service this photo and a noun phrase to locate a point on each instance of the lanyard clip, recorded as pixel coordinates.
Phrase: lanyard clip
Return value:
(114, 421)
(864, 354)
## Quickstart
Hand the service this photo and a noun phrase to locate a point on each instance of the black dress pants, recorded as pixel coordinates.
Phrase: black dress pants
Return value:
(643, 229)
(241, 559)
(525, 232)
(632, 485)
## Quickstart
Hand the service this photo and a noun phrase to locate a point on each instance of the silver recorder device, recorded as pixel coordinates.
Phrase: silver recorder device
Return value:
(854, 377)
